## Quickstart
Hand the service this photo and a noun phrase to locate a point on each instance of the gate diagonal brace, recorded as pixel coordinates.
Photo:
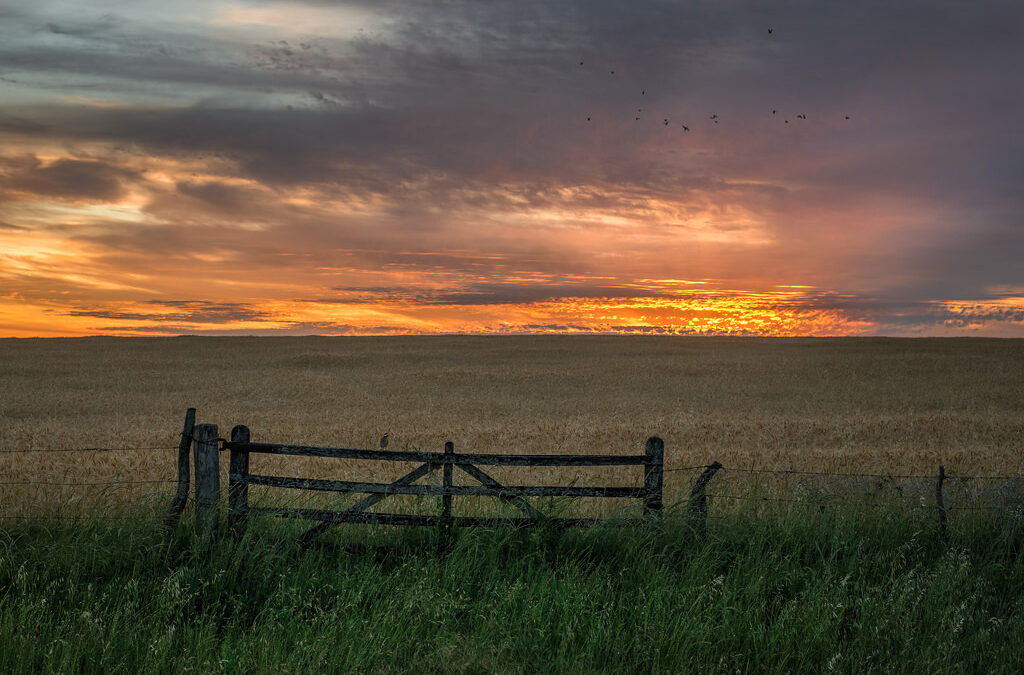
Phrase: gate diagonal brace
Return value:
(368, 501)
(516, 500)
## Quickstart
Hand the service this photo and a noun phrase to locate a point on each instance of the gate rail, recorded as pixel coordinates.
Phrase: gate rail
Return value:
(240, 478)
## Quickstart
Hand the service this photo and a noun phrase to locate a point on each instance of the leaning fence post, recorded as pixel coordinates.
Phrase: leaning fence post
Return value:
(238, 482)
(207, 477)
(654, 465)
(938, 500)
(446, 498)
(698, 497)
(181, 496)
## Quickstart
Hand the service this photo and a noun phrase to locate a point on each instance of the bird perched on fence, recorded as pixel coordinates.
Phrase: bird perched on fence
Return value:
(384, 441)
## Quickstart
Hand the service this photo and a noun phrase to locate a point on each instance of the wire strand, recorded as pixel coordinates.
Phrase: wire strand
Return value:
(78, 519)
(55, 450)
(113, 482)
(827, 502)
(862, 475)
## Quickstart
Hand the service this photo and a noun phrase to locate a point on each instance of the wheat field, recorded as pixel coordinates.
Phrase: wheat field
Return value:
(813, 589)
(859, 405)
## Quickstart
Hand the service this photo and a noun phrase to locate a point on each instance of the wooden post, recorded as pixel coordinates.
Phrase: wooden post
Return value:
(698, 497)
(445, 540)
(181, 496)
(938, 500)
(654, 478)
(207, 465)
(238, 483)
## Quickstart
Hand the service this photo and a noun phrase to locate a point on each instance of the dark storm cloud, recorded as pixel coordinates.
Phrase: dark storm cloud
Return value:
(488, 293)
(498, 92)
(189, 311)
(314, 327)
(290, 328)
(219, 196)
(900, 314)
(461, 89)
(18, 125)
(64, 178)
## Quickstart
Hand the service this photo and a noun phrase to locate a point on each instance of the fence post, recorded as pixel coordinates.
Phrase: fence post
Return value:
(938, 500)
(238, 483)
(446, 499)
(698, 497)
(654, 478)
(207, 478)
(181, 496)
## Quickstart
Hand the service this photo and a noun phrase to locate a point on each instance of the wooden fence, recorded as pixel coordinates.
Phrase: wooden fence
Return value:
(206, 446)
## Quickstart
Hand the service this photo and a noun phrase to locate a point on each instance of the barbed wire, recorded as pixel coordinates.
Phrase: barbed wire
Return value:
(77, 519)
(789, 500)
(823, 473)
(849, 502)
(828, 474)
(79, 483)
(96, 449)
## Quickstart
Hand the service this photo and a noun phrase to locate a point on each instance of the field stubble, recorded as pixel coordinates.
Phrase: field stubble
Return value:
(886, 406)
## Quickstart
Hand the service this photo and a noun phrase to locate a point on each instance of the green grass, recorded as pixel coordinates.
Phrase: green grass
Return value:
(800, 591)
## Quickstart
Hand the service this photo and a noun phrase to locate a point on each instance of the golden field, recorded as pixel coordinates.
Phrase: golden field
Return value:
(859, 405)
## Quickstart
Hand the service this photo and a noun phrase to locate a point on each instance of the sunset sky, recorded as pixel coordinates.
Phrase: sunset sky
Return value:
(210, 167)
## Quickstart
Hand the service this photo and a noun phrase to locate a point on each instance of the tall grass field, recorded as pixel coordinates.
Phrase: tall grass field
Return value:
(843, 568)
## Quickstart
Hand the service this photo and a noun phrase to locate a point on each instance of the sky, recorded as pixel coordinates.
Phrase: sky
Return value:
(800, 167)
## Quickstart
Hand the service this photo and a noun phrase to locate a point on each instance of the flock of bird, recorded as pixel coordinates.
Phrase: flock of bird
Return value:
(713, 117)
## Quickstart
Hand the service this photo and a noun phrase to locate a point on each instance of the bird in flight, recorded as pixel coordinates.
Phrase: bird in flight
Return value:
(384, 441)
(714, 117)
(769, 31)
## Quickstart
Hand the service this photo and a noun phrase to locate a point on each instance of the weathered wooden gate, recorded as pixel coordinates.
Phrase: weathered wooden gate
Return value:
(240, 478)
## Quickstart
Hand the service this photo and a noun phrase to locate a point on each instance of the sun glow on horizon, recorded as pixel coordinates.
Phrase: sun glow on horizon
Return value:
(699, 313)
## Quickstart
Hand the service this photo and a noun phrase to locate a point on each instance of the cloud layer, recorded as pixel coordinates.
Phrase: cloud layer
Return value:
(420, 167)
